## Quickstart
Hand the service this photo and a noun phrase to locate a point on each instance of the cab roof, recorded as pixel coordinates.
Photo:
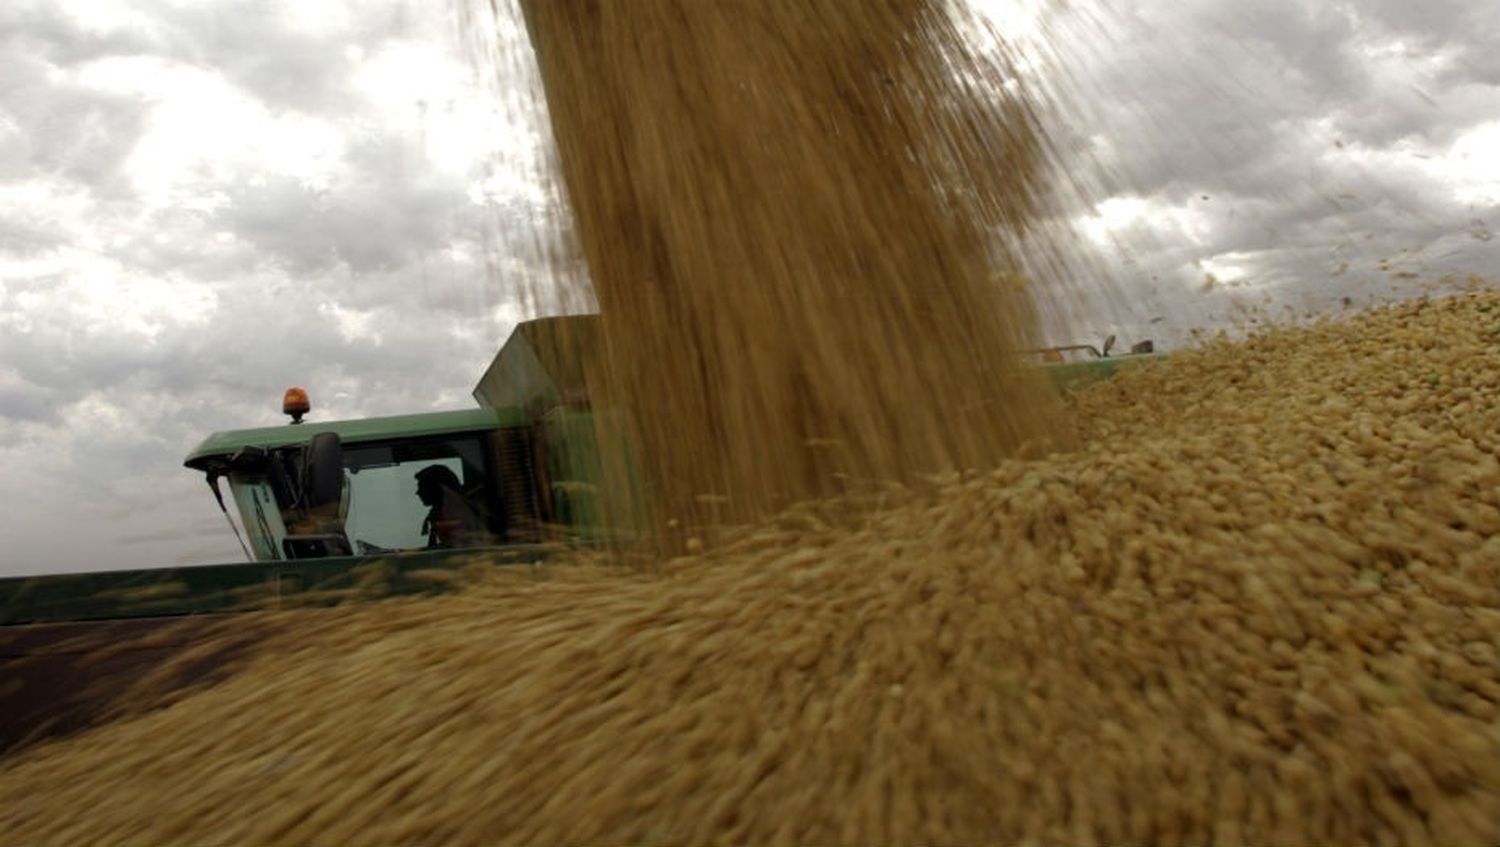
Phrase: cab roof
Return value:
(222, 445)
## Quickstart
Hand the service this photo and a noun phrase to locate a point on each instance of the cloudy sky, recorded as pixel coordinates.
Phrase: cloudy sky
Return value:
(1286, 155)
(204, 202)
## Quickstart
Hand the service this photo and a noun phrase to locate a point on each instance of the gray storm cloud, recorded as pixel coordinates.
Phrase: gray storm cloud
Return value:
(1280, 156)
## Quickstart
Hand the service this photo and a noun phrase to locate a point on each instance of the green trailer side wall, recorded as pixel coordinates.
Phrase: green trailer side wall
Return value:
(242, 586)
(543, 369)
(587, 453)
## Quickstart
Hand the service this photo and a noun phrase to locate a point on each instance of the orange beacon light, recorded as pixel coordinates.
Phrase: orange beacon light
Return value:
(294, 402)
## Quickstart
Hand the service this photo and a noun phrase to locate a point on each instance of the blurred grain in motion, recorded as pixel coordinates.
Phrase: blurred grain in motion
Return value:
(791, 214)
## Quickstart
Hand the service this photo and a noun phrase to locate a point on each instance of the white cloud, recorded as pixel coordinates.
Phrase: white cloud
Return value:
(97, 296)
(353, 325)
(1142, 218)
(1472, 165)
(401, 76)
(203, 131)
(109, 16)
(316, 19)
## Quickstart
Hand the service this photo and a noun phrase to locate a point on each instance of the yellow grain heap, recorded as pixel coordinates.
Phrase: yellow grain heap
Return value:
(1261, 605)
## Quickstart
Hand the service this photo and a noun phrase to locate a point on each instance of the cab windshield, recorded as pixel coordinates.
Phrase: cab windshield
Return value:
(418, 494)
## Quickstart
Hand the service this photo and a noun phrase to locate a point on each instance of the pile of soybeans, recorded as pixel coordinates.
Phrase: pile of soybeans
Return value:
(1249, 594)
(1260, 604)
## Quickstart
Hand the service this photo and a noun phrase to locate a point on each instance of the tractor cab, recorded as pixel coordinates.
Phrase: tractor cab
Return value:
(522, 468)
(379, 485)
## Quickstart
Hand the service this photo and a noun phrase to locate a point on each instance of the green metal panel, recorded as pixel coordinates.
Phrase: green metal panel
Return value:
(573, 470)
(580, 472)
(1073, 375)
(543, 365)
(355, 431)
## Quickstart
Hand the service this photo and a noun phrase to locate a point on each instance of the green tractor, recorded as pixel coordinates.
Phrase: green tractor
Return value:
(342, 510)
(323, 503)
